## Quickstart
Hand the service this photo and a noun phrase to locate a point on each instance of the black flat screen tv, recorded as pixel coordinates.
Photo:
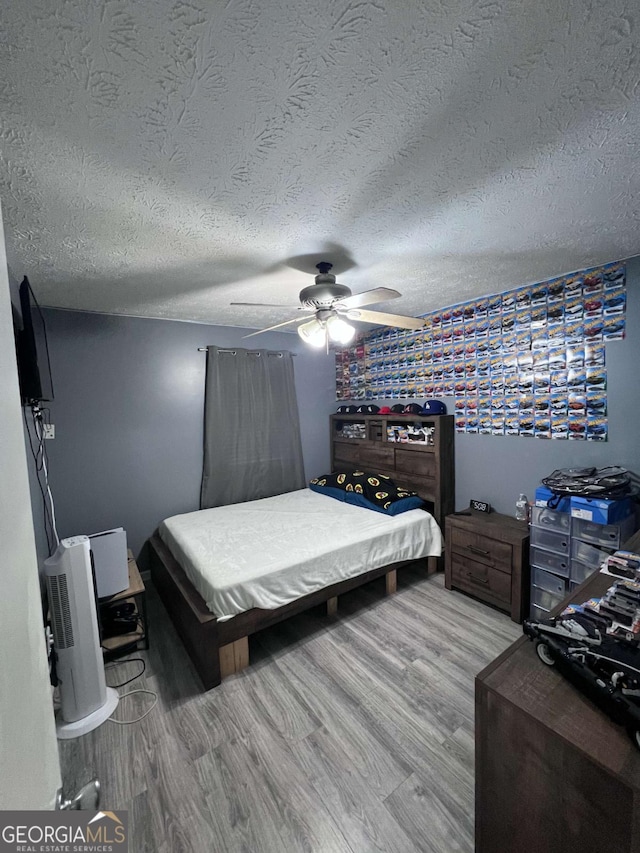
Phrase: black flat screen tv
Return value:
(32, 350)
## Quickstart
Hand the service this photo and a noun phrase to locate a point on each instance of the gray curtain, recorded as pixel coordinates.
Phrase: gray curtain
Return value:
(252, 446)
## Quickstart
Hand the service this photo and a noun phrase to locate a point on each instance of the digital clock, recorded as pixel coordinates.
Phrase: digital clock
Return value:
(480, 506)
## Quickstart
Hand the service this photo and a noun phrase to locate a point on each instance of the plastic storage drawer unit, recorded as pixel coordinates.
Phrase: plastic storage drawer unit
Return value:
(543, 598)
(550, 519)
(550, 541)
(587, 554)
(545, 580)
(556, 563)
(538, 612)
(580, 571)
(603, 535)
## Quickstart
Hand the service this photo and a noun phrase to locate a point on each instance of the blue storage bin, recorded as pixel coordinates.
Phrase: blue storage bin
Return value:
(544, 495)
(601, 510)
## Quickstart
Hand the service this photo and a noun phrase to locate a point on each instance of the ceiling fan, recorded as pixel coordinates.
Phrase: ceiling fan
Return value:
(330, 303)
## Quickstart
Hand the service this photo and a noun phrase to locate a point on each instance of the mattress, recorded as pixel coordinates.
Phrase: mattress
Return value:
(269, 552)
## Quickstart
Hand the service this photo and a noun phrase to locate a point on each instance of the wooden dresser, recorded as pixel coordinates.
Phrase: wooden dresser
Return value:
(487, 556)
(553, 772)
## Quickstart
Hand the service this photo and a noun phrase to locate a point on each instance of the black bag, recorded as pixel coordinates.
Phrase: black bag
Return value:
(612, 483)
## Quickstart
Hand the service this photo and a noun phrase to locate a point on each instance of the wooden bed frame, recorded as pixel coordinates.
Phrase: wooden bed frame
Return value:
(218, 649)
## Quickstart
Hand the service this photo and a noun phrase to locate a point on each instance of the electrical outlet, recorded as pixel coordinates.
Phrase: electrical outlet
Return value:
(48, 430)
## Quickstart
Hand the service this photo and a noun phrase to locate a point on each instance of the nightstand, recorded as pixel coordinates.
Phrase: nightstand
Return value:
(123, 644)
(487, 556)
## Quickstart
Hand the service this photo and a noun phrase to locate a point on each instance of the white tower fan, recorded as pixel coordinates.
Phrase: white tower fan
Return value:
(85, 700)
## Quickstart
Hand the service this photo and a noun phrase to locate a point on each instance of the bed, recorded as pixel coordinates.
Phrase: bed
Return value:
(225, 573)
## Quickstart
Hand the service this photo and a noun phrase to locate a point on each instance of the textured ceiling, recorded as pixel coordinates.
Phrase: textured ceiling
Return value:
(164, 158)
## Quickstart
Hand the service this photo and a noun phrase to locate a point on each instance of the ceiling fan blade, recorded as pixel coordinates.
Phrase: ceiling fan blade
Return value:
(270, 328)
(266, 305)
(383, 319)
(370, 297)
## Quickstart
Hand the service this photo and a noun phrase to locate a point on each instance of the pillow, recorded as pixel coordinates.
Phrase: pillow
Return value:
(394, 507)
(372, 491)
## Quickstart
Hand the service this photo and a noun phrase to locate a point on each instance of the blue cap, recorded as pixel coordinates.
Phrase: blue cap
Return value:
(434, 407)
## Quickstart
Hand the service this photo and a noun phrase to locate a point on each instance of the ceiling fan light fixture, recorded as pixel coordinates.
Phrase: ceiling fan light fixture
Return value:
(330, 302)
(339, 331)
(313, 333)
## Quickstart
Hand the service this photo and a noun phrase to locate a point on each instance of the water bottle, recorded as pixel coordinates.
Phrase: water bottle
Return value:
(522, 505)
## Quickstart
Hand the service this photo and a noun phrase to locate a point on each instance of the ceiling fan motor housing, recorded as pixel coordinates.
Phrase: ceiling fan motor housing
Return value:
(323, 293)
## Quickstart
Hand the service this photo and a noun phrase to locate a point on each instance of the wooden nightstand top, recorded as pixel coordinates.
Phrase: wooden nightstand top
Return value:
(494, 524)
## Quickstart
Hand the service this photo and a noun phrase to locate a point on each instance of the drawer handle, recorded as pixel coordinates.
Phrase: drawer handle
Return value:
(478, 551)
(476, 579)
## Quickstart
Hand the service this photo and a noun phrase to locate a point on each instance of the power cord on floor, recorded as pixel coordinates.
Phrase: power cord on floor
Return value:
(148, 711)
(132, 692)
(119, 663)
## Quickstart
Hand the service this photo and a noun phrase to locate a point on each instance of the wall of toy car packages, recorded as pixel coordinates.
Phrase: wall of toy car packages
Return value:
(528, 362)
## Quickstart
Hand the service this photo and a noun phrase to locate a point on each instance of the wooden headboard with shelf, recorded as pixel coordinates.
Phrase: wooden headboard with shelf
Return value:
(425, 468)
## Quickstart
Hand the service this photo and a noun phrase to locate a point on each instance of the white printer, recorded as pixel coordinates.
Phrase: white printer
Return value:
(110, 561)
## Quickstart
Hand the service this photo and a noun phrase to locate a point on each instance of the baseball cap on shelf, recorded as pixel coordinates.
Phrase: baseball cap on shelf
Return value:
(385, 410)
(398, 409)
(368, 409)
(434, 407)
(413, 409)
(347, 410)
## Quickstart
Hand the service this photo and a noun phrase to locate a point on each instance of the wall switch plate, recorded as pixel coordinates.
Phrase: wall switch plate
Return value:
(480, 506)
(48, 430)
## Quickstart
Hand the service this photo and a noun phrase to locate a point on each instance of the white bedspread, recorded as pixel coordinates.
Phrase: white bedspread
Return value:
(269, 552)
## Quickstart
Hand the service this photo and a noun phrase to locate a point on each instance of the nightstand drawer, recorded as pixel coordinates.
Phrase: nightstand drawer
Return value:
(481, 581)
(482, 549)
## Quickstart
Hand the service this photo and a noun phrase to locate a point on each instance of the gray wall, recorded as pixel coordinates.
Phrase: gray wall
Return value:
(128, 416)
(498, 468)
(129, 406)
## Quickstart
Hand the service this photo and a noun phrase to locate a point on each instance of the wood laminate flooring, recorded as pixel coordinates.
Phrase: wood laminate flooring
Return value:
(348, 734)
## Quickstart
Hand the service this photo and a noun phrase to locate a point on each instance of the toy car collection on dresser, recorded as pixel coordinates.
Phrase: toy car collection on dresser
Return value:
(594, 643)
